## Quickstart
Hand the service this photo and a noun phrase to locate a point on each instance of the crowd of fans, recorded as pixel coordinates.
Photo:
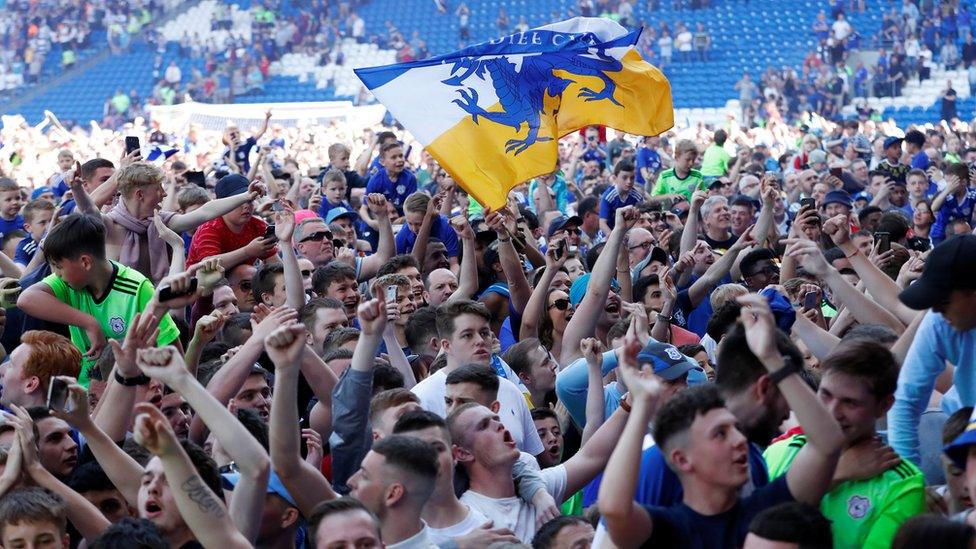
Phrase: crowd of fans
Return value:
(313, 337)
(30, 31)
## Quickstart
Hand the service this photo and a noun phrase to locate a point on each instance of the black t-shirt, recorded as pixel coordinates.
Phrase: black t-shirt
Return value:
(720, 245)
(680, 526)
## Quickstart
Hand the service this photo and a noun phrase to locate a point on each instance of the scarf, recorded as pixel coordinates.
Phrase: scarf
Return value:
(134, 229)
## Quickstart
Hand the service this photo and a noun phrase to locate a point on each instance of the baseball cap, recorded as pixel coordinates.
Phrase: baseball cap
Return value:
(657, 254)
(668, 362)
(863, 195)
(837, 197)
(958, 449)
(890, 141)
(578, 289)
(39, 191)
(275, 486)
(336, 213)
(231, 185)
(949, 267)
(560, 223)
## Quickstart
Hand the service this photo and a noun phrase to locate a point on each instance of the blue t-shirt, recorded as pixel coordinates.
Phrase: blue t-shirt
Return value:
(659, 486)
(9, 225)
(647, 158)
(440, 229)
(26, 249)
(597, 154)
(394, 191)
(681, 526)
(952, 209)
(920, 161)
(611, 200)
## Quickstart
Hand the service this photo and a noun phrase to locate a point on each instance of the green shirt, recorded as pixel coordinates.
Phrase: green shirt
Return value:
(715, 161)
(129, 293)
(669, 183)
(865, 513)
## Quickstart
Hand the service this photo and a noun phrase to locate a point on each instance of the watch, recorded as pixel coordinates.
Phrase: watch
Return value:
(141, 379)
(789, 368)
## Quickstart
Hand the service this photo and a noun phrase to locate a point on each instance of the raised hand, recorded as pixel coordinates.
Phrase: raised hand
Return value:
(809, 255)
(377, 205)
(462, 227)
(285, 345)
(315, 201)
(313, 441)
(142, 334)
(496, 222)
(164, 364)
(760, 326)
(282, 316)
(168, 235)
(76, 412)
(285, 224)
(9, 292)
(687, 260)
(592, 349)
(179, 284)
(372, 316)
(745, 240)
(209, 326)
(644, 386)
(697, 199)
(208, 272)
(626, 217)
(556, 256)
(152, 430)
(838, 228)
(260, 246)
(668, 289)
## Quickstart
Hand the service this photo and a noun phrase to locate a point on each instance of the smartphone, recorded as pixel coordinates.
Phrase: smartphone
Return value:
(391, 293)
(270, 232)
(808, 203)
(131, 144)
(196, 178)
(336, 243)
(560, 249)
(810, 301)
(57, 394)
(166, 293)
(884, 241)
(836, 172)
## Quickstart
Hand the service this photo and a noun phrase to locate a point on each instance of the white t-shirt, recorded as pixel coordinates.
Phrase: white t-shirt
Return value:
(472, 522)
(683, 41)
(513, 411)
(514, 513)
(842, 29)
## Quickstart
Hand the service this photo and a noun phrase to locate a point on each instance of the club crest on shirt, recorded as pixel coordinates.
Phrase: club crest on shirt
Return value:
(400, 189)
(674, 354)
(117, 324)
(858, 507)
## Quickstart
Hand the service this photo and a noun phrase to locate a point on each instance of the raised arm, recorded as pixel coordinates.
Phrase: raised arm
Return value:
(707, 282)
(200, 508)
(40, 302)
(468, 274)
(883, 289)
(264, 127)
(689, 236)
(518, 285)
(536, 307)
(284, 229)
(304, 482)
(864, 309)
(419, 251)
(628, 524)
(214, 209)
(810, 475)
(113, 415)
(765, 221)
(387, 245)
(592, 350)
(588, 312)
(124, 472)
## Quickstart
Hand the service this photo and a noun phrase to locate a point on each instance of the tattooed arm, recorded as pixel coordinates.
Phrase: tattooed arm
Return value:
(203, 512)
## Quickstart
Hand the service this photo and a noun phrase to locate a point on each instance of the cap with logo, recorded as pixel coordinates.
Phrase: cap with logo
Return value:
(949, 266)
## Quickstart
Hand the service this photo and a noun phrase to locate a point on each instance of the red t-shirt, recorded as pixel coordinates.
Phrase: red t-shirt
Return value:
(214, 238)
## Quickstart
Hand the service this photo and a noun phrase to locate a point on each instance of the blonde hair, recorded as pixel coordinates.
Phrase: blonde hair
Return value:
(684, 146)
(138, 174)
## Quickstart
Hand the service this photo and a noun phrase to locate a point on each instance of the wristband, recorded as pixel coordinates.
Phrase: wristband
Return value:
(141, 379)
(625, 405)
(789, 368)
(667, 318)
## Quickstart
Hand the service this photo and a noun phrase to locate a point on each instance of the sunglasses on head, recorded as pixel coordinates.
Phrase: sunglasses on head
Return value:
(317, 236)
(562, 304)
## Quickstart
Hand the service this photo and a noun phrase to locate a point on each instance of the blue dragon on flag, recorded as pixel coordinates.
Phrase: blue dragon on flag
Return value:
(521, 90)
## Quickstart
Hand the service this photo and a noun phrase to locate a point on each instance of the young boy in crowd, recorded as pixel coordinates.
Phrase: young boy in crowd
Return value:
(241, 150)
(10, 203)
(678, 183)
(394, 181)
(96, 297)
(621, 194)
(37, 216)
(33, 517)
(333, 192)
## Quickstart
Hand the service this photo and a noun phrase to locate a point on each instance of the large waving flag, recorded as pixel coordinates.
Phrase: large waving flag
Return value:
(491, 114)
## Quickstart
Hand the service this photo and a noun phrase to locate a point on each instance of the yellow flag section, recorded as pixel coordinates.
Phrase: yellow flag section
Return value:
(491, 114)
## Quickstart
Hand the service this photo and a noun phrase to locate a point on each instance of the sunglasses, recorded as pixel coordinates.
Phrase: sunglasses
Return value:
(645, 245)
(317, 236)
(572, 231)
(306, 273)
(562, 304)
(769, 271)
